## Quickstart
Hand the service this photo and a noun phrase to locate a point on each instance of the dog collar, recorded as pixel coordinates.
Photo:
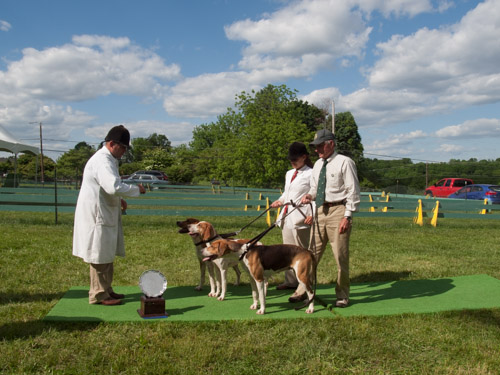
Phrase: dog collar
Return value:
(207, 241)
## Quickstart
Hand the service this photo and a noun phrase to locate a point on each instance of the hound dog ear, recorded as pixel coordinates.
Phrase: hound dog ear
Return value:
(208, 230)
(221, 247)
(234, 246)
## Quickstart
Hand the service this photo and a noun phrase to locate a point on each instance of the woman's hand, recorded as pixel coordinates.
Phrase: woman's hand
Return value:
(276, 204)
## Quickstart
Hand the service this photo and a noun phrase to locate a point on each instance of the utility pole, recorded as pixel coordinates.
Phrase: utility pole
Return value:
(41, 151)
(426, 175)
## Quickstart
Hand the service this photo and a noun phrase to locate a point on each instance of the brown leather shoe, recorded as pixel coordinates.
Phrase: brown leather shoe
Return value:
(111, 302)
(116, 295)
(341, 302)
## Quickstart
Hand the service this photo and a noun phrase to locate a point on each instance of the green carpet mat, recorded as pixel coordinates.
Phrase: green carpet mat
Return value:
(183, 303)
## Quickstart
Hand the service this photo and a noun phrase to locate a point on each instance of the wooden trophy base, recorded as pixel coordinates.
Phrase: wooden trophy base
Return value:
(152, 307)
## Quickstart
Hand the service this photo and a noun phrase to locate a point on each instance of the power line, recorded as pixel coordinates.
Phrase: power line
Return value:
(401, 157)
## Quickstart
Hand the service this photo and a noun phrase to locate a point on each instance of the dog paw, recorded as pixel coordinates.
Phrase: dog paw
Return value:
(198, 288)
(260, 312)
(211, 294)
(309, 310)
(220, 298)
(253, 307)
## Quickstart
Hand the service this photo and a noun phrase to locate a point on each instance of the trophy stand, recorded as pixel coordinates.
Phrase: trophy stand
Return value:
(152, 307)
(153, 285)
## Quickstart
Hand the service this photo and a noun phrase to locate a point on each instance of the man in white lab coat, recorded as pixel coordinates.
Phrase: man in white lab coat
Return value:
(98, 234)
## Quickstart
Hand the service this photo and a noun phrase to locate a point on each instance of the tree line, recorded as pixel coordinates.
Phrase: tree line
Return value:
(248, 145)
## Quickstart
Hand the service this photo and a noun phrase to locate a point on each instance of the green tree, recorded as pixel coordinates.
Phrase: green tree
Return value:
(7, 165)
(28, 166)
(249, 144)
(270, 125)
(182, 170)
(141, 145)
(213, 145)
(71, 164)
(156, 159)
(347, 138)
(312, 116)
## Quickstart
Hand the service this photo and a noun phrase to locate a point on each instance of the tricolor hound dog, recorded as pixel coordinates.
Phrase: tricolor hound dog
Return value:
(202, 232)
(263, 261)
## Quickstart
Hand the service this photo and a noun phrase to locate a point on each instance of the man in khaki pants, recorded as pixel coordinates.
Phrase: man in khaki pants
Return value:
(98, 234)
(335, 188)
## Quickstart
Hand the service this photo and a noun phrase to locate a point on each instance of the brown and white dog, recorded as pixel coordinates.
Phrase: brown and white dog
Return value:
(262, 261)
(201, 233)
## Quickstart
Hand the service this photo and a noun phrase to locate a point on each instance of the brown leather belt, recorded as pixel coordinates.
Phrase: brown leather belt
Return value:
(333, 204)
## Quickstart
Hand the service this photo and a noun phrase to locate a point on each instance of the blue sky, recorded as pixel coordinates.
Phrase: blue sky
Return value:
(421, 77)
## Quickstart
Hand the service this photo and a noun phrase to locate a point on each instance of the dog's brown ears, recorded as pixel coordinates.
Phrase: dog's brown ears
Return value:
(208, 230)
(234, 246)
(221, 248)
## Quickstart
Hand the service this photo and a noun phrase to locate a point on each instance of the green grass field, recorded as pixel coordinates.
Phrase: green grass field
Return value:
(37, 268)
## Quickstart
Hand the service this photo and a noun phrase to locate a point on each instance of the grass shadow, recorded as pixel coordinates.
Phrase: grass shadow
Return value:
(25, 297)
(22, 330)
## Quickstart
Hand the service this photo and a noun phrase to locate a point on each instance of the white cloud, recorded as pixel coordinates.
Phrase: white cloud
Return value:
(282, 45)
(33, 88)
(90, 67)
(479, 128)
(4, 25)
(297, 41)
(323, 98)
(397, 8)
(432, 71)
(304, 27)
(398, 140)
(207, 95)
(58, 120)
(176, 132)
(436, 60)
(451, 149)
(396, 145)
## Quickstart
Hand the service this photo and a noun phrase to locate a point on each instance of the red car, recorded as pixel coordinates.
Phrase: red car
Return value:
(443, 188)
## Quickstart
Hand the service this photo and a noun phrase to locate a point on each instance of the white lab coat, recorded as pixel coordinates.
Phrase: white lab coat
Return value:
(98, 235)
(294, 191)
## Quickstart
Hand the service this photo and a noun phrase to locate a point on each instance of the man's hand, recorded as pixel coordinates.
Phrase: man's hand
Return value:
(308, 220)
(344, 225)
(123, 204)
(142, 190)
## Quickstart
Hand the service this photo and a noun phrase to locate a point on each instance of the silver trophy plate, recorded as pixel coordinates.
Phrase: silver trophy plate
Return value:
(153, 283)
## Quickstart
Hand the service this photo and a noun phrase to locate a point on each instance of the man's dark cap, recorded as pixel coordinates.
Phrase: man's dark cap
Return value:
(119, 134)
(296, 150)
(321, 136)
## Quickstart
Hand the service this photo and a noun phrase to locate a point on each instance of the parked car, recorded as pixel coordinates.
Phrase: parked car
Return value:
(446, 186)
(159, 174)
(479, 191)
(146, 179)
